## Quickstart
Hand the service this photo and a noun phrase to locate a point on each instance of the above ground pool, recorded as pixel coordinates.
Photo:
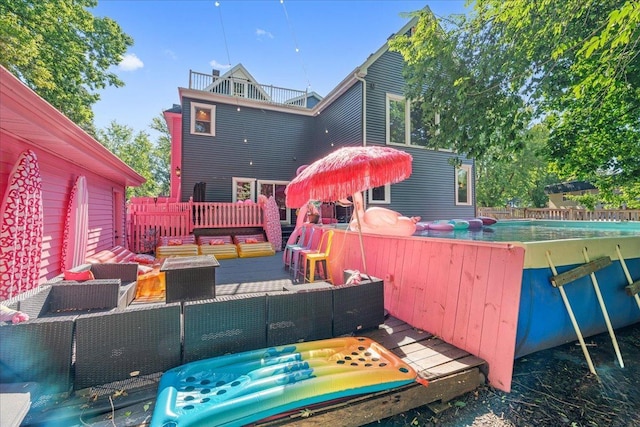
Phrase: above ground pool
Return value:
(540, 230)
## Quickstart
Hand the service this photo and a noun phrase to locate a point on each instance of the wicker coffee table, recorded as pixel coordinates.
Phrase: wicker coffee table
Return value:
(190, 278)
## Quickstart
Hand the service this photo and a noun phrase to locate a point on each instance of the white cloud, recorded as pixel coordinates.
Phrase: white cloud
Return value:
(170, 54)
(263, 33)
(215, 64)
(130, 62)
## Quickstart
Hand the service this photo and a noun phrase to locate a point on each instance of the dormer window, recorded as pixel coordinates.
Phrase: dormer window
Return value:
(203, 119)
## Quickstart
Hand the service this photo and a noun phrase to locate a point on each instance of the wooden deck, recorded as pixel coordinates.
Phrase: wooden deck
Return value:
(448, 370)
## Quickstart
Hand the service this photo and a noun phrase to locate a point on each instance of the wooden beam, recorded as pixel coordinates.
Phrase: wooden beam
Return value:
(633, 288)
(581, 271)
(371, 408)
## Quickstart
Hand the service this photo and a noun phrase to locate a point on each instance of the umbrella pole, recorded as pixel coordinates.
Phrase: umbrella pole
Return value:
(364, 261)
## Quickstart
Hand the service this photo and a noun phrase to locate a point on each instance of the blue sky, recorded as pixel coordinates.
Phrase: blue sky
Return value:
(293, 44)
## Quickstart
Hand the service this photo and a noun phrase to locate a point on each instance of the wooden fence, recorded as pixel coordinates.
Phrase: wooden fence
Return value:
(147, 222)
(569, 214)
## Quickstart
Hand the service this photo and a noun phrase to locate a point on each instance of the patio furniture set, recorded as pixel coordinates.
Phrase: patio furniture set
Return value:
(73, 343)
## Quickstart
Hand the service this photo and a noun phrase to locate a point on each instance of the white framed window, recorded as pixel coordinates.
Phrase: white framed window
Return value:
(243, 189)
(405, 125)
(463, 185)
(276, 189)
(203, 119)
(380, 195)
(398, 120)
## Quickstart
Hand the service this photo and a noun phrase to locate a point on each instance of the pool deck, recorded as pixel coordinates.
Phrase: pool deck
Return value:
(448, 370)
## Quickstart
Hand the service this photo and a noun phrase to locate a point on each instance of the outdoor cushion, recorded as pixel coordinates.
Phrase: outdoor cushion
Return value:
(78, 275)
(144, 259)
(254, 237)
(219, 246)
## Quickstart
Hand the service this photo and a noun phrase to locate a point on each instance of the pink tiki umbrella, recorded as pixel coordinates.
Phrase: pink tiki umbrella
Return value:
(347, 171)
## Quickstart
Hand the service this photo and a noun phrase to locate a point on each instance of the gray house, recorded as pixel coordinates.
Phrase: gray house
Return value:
(241, 138)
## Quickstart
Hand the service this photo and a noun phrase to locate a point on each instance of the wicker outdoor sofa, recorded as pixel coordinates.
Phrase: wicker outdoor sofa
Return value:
(69, 352)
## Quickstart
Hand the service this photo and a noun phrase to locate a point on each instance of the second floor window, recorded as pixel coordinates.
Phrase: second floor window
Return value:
(397, 120)
(463, 185)
(406, 124)
(203, 119)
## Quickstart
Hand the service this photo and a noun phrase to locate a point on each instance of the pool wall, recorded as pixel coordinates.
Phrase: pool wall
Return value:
(483, 296)
(541, 306)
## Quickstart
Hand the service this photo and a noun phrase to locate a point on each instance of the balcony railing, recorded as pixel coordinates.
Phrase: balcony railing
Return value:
(148, 222)
(243, 88)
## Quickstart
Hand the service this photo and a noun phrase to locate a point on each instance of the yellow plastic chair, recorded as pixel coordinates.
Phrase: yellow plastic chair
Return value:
(311, 258)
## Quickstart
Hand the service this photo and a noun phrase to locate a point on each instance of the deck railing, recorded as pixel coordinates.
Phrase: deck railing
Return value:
(147, 222)
(243, 88)
(569, 214)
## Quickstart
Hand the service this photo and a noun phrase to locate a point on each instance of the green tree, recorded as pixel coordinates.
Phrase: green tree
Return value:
(137, 151)
(520, 176)
(573, 64)
(161, 155)
(61, 51)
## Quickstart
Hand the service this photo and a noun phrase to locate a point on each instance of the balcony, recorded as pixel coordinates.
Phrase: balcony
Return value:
(244, 88)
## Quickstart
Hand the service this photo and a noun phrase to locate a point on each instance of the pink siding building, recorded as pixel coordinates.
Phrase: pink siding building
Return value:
(64, 152)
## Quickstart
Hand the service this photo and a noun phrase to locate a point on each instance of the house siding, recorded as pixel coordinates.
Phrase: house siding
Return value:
(430, 191)
(58, 177)
(340, 124)
(277, 144)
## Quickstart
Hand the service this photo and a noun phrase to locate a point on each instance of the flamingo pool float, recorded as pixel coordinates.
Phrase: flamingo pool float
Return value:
(378, 220)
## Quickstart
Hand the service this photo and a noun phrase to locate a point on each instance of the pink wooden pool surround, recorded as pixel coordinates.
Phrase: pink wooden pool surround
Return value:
(466, 292)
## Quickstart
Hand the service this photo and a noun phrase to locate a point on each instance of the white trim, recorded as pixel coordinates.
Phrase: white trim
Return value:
(234, 187)
(407, 119)
(192, 125)
(261, 182)
(468, 169)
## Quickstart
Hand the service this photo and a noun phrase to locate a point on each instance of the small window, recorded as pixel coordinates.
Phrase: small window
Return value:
(463, 185)
(380, 194)
(203, 119)
(244, 189)
(397, 120)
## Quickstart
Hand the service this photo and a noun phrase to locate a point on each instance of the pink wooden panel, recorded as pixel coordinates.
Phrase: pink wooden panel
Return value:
(466, 292)
(492, 306)
(453, 296)
(465, 296)
(511, 290)
(478, 296)
(438, 292)
(411, 257)
(421, 278)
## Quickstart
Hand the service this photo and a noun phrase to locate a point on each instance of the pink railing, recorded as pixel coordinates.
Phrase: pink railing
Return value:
(568, 214)
(147, 222)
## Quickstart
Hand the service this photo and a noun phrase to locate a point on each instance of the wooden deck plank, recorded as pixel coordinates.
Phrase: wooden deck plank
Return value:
(452, 366)
(374, 407)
